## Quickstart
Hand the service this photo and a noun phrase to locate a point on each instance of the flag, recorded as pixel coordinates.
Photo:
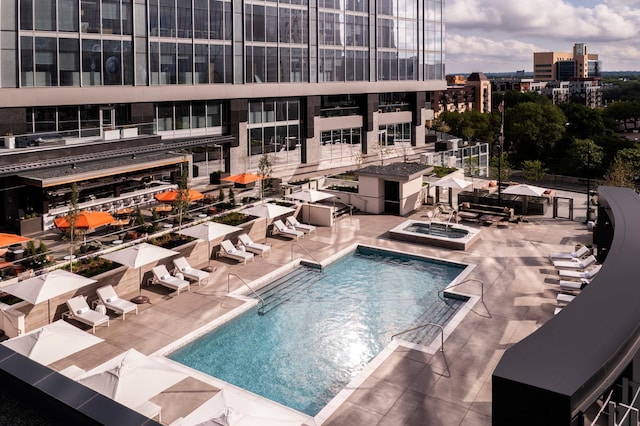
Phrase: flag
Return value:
(501, 107)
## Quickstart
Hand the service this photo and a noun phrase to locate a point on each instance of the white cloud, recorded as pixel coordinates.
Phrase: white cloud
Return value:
(610, 28)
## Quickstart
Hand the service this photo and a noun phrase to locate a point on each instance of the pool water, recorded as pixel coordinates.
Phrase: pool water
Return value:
(308, 348)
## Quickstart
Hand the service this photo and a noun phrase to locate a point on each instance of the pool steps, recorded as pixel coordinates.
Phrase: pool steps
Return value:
(283, 289)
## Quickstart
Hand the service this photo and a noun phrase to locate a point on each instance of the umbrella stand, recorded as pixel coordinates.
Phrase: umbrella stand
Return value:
(208, 268)
(140, 299)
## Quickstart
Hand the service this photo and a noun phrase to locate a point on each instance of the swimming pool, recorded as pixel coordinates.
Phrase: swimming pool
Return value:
(324, 328)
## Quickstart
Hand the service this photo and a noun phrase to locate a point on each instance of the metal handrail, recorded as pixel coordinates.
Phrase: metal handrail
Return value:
(245, 283)
(307, 252)
(441, 292)
(431, 324)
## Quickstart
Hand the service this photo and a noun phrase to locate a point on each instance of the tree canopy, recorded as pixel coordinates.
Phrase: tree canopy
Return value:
(532, 129)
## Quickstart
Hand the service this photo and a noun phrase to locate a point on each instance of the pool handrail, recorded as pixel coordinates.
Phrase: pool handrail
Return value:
(245, 283)
(307, 252)
(441, 292)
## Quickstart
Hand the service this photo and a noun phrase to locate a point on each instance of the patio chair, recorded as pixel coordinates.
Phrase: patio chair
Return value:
(564, 299)
(578, 254)
(253, 247)
(575, 264)
(280, 228)
(229, 250)
(571, 274)
(80, 311)
(162, 276)
(307, 229)
(110, 300)
(573, 286)
(182, 266)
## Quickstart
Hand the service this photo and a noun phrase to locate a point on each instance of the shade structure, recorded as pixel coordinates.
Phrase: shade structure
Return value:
(172, 196)
(132, 378)
(243, 178)
(267, 210)
(209, 231)
(524, 189)
(45, 287)
(10, 239)
(452, 183)
(86, 220)
(310, 195)
(52, 342)
(139, 255)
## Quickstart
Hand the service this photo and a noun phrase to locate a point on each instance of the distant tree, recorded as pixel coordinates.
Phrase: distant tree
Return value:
(621, 173)
(533, 170)
(582, 122)
(534, 129)
(585, 157)
(500, 168)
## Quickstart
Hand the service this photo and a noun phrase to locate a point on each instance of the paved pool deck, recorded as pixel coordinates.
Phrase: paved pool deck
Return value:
(409, 387)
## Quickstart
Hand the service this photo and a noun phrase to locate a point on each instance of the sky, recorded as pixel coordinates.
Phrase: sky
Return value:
(502, 35)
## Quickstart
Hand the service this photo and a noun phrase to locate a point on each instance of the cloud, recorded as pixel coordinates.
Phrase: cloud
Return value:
(502, 36)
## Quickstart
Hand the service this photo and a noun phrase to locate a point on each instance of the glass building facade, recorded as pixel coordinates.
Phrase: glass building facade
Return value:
(261, 70)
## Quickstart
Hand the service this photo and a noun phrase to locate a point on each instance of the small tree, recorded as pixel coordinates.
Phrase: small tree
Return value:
(139, 217)
(232, 198)
(472, 166)
(264, 170)
(620, 173)
(72, 219)
(182, 200)
(221, 194)
(533, 170)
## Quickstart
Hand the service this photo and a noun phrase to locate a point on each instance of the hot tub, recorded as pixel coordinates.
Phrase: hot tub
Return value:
(433, 233)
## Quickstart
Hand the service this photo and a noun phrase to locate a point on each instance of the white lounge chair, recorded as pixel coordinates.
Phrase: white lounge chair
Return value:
(230, 251)
(564, 273)
(162, 276)
(182, 266)
(564, 299)
(578, 254)
(80, 311)
(110, 300)
(253, 247)
(573, 285)
(281, 228)
(575, 264)
(307, 229)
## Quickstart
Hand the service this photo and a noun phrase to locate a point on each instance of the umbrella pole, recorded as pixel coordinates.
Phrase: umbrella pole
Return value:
(209, 268)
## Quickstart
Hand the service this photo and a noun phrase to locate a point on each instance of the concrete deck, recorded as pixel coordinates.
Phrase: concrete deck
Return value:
(410, 387)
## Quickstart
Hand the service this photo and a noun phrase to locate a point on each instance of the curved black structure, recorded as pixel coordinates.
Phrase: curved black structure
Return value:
(554, 375)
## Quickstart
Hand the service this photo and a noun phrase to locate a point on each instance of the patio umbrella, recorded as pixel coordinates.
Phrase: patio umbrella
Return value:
(52, 342)
(11, 239)
(86, 220)
(526, 191)
(209, 231)
(132, 378)
(267, 210)
(139, 255)
(310, 195)
(452, 183)
(243, 178)
(171, 196)
(45, 287)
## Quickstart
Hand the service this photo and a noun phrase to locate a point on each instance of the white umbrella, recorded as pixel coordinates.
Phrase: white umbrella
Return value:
(132, 378)
(52, 342)
(310, 195)
(524, 189)
(139, 255)
(452, 183)
(209, 231)
(45, 287)
(267, 210)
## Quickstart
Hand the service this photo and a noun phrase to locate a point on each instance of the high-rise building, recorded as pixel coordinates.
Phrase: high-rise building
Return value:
(562, 66)
(308, 82)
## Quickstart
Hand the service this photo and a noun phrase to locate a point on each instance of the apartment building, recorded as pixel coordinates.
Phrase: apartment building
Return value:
(550, 66)
(150, 84)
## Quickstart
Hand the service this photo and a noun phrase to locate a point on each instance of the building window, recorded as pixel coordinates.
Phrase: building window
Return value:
(341, 146)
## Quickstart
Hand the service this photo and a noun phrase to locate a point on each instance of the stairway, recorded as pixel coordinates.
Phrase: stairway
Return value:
(285, 288)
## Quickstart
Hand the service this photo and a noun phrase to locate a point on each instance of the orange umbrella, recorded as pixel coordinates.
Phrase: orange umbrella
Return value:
(171, 196)
(10, 239)
(243, 178)
(86, 220)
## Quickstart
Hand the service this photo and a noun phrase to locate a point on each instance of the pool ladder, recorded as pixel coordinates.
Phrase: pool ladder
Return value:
(309, 254)
(441, 329)
(441, 293)
(248, 286)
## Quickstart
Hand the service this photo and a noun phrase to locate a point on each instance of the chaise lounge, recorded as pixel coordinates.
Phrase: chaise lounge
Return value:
(162, 276)
(229, 250)
(182, 266)
(80, 311)
(564, 273)
(253, 247)
(281, 228)
(293, 222)
(578, 254)
(110, 299)
(575, 264)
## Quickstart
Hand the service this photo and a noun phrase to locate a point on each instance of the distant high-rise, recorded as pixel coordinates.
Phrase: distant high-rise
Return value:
(550, 66)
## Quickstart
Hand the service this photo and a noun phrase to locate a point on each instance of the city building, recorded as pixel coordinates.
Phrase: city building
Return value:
(149, 85)
(550, 66)
(463, 94)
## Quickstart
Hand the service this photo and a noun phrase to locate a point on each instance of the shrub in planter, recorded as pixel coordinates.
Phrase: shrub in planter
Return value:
(232, 218)
(170, 240)
(92, 266)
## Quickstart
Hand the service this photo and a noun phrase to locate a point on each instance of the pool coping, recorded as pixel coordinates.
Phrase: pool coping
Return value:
(250, 302)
